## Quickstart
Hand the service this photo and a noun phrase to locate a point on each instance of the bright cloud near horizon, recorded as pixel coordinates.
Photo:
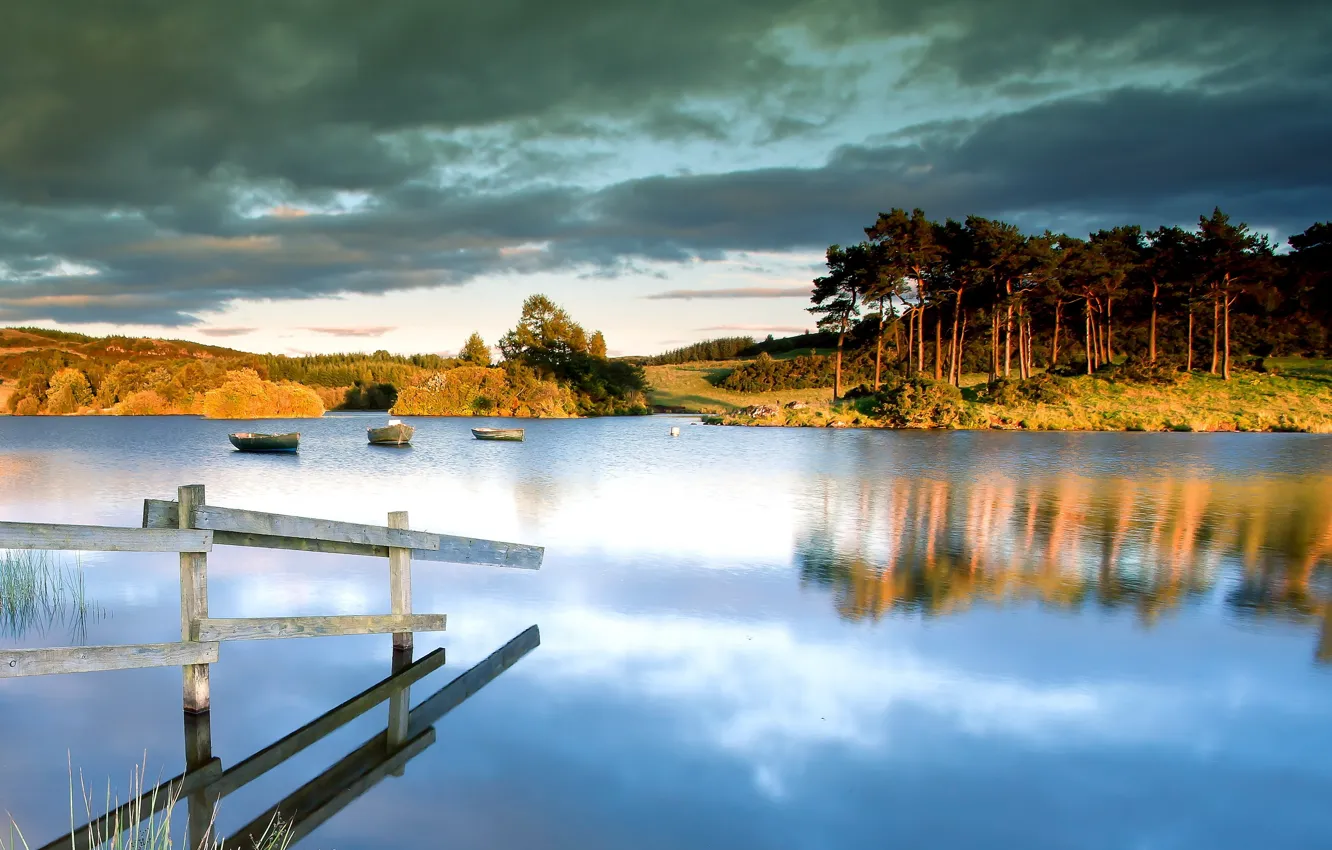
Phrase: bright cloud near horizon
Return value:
(330, 176)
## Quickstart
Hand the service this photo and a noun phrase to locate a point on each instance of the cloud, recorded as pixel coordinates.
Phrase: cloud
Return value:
(788, 329)
(739, 292)
(166, 163)
(374, 331)
(225, 332)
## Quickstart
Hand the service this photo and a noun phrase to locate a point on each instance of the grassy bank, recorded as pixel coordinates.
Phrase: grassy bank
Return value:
(1295, 396)
(687, 388)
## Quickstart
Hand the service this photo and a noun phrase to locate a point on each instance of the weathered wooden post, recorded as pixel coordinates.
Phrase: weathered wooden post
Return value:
(400, 591)
(193, 600)
(400, 580)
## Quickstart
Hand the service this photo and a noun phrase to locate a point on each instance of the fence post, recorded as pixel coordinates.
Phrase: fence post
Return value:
(193, 600)
(400, 589)
(200, 804)
(400, 580)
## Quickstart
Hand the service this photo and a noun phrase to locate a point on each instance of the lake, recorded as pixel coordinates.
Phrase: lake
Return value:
(749, 637)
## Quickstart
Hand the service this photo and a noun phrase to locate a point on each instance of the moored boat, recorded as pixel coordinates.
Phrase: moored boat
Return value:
(248, 442)
(513, 434)
(393, 434)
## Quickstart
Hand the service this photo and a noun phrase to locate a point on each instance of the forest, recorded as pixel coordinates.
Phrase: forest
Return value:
(944, 299)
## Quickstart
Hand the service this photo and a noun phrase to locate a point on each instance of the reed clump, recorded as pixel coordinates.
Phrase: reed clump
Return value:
(144, 823)
(38, 592)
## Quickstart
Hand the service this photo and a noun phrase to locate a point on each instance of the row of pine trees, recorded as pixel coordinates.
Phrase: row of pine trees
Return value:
(1034, 300)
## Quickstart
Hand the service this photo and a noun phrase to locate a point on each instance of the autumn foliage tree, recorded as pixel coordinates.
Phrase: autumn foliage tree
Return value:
(475, 351)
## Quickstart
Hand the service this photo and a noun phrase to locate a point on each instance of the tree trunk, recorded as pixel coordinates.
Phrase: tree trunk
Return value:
(878, 351)
(1090, 352)
(1188, 355)
(1095, 319)
(1008, 339)
(1216, 332)
(955, 349)
(897, 340)
(1109, 331)
(1054, 346)
(938, 343)
(961, 344)
(837, 376)
(994, 343)
(1225, 299)
(920, 340)
(1024, 347)
(911, 337)
(1008, 327)
(1151, 336)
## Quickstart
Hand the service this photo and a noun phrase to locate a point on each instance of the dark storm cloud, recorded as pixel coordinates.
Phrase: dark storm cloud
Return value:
(1133, 155)
(135, 136)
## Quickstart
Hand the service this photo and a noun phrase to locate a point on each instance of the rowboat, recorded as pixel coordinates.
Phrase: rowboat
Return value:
(514, 434)
(393, 434)
(265, 442)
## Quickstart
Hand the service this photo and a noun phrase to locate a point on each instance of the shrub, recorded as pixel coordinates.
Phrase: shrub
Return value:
(27, 406)
(1039, 389)
(143, 403)
(1138, 370)
(245, 395)
(380, 396)
(917, 402)
(69, 391)
(480, 390)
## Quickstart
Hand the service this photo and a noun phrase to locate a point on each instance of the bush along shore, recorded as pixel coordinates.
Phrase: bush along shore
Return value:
(1129, 396)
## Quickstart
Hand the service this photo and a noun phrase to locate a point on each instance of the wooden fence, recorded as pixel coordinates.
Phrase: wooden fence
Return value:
(191, 527)
(408, 733)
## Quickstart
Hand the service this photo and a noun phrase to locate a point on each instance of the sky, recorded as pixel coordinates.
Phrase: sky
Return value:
(335, 175)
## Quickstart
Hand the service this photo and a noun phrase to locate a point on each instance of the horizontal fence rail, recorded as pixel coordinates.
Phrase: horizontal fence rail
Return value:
(232, 527)
(91, 659)
(262, 628)
(100, 538)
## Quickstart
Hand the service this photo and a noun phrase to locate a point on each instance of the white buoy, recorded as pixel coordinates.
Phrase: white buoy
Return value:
(675, 432)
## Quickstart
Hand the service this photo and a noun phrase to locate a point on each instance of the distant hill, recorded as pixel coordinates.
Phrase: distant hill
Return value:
(179, 371)
(19, 344)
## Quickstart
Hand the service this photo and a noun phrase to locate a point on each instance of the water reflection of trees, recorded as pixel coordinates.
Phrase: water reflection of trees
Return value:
(938, 546)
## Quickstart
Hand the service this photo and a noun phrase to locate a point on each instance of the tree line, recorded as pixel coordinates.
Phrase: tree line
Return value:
(980, 295)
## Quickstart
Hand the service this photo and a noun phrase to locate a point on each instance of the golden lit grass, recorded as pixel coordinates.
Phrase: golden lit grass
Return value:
(1201, 402)
(686, 387)
(1295, 396)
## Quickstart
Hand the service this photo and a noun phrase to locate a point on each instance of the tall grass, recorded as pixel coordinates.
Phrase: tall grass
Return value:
(144, 823)
(39, 592)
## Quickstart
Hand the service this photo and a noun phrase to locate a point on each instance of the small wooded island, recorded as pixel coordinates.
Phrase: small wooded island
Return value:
(966, 324)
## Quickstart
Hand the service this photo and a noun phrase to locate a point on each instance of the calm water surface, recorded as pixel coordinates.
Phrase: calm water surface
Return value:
(750, 638)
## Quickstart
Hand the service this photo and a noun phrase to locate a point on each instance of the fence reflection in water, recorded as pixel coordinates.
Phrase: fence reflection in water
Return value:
(407, 734)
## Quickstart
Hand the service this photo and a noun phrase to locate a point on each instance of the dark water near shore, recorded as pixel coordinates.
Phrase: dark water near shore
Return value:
(750, 638)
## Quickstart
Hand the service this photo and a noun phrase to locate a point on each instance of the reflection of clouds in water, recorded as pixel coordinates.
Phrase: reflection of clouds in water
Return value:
(776, 700)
